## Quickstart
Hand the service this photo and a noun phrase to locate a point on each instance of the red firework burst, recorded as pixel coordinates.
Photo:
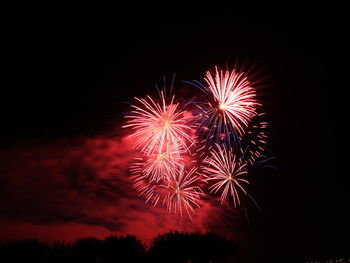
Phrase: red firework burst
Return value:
(155, 124)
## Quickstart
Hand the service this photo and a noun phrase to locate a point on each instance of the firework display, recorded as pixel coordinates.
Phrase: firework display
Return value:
(201, 148)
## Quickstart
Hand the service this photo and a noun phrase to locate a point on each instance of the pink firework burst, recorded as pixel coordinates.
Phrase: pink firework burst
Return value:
(231, 105)
(224, 169)
(183, 192)
(154, 124)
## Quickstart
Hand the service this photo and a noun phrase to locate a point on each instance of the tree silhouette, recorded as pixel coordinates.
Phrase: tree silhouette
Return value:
(168, 247)
(117, 249)
(87, 250)
(190, 247)
(61, 252)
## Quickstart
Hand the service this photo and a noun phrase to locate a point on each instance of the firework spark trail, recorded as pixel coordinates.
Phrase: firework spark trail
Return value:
(230, 107)
(255, 141)
(183, 192)
(224, 168)
(154, 124)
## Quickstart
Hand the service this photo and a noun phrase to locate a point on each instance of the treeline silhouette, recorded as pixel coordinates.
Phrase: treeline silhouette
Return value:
(168, 247)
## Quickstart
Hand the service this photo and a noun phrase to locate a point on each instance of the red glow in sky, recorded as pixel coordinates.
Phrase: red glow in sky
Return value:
(81, 187)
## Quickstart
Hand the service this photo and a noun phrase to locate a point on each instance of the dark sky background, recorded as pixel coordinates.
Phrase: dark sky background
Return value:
(63, 159)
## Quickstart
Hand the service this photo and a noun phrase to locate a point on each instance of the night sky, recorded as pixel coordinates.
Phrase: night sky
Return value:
(63, 160)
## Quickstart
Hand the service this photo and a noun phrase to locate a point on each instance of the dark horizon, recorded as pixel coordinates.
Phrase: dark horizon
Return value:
(64, 161)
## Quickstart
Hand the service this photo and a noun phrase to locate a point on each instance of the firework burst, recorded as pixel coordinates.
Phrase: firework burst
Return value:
(155, 124)
(183, 192)
(229, 108)
(224, 170)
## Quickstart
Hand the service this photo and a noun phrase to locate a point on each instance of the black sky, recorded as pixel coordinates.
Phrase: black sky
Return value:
(69, 75)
